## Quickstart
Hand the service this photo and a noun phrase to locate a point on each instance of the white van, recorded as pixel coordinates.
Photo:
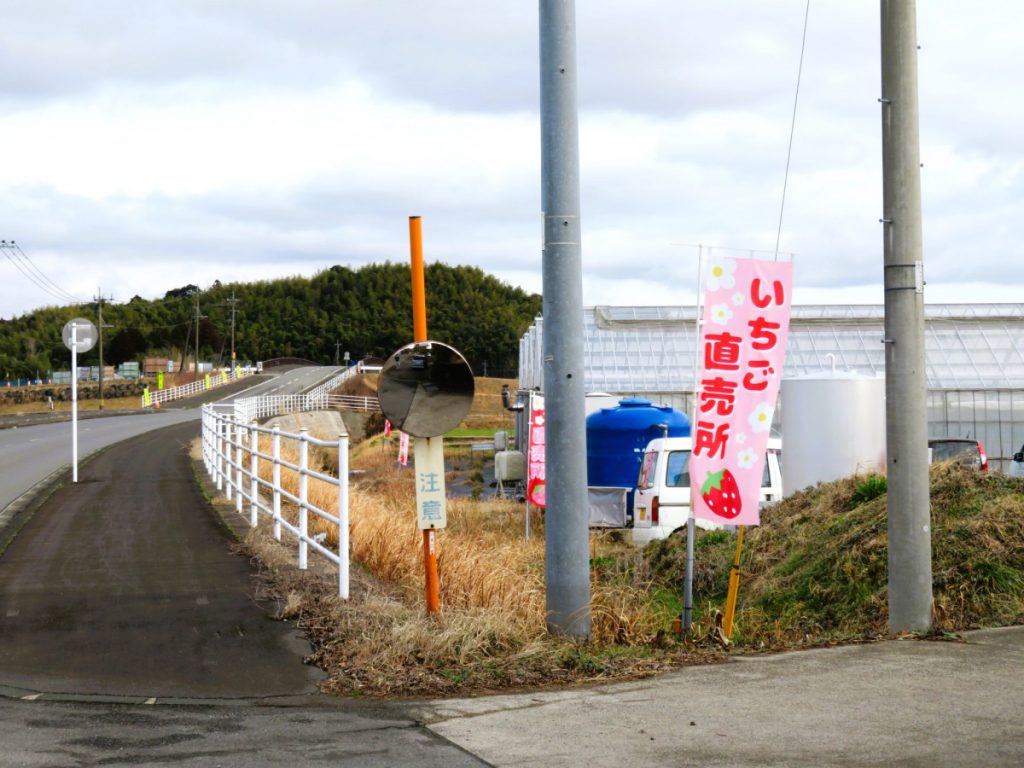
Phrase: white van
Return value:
(1016, 468)
(661, 502)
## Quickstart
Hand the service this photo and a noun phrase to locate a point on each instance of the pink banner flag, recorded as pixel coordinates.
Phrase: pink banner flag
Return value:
(403, 449)
(742, 352)
(535, 481)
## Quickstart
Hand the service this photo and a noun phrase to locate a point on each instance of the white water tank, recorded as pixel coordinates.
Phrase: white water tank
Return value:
(833, 426)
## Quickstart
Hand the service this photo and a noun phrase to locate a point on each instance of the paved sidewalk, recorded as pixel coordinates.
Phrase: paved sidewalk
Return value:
(124, 585)
(895, 703)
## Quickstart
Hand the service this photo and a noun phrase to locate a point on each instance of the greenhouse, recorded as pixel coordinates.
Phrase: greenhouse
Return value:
(974, 360)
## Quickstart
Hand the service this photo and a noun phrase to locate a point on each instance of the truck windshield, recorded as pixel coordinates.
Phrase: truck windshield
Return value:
(677, 474)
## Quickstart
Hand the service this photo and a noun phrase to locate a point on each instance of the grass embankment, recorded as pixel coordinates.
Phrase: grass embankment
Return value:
(815, 570)
(814, 573)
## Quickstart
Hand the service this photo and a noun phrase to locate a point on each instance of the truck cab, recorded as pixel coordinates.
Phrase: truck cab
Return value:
(661, 503)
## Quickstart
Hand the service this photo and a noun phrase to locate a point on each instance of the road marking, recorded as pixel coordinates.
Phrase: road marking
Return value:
(202, 600)
(150, 701)
(12, 612)
(32, 697)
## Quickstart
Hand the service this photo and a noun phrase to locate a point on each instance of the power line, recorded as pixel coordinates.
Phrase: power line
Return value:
(25, 265)
(792, 129)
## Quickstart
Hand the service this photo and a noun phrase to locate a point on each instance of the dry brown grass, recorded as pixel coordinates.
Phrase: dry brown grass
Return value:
(492, 629)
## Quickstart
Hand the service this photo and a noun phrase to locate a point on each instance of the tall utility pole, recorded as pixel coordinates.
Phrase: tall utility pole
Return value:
(337, 353)
(910, 550)
(100, 326)
(233, 301)
(198, 318)
(567, 547)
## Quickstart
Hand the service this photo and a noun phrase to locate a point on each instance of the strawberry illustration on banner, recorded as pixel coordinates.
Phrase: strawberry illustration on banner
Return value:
(721, 494)
(742, 351)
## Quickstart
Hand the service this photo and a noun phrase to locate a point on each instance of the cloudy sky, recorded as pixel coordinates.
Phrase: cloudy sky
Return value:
(150, 144)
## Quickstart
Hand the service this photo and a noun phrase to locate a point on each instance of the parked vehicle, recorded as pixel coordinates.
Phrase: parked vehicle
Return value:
(661, 502)
(1016, 468)
(965, 451)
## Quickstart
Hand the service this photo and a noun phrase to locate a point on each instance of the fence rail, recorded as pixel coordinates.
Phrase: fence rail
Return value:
(232, 456)
(153, 398)
(248, 409)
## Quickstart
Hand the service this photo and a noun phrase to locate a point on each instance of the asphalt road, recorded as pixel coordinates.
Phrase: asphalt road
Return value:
(129, 635)
(30, 454)
(123, 584)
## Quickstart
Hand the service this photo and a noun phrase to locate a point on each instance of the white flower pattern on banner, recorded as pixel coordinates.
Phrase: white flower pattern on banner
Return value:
(747, 458)
(737, 299)
(721, 274)
(740, 437)
(761, 419)
(721, 314)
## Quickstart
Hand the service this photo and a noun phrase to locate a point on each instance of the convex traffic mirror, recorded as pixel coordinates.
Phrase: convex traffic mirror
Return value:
(426, 388)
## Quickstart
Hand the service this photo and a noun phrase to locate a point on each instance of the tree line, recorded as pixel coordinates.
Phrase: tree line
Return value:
(366, 312)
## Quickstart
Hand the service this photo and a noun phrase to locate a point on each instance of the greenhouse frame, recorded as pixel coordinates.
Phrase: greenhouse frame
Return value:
(974, 360)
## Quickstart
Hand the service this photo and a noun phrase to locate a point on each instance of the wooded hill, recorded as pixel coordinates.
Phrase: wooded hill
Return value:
(367, 310)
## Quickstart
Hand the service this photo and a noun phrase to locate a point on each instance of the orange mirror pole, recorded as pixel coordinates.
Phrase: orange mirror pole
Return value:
(419, 328)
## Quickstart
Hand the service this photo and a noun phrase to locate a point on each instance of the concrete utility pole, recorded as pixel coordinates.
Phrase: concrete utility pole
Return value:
(198, 318)
(910, 550)
(100, 326)
(567, 538)
(233, 301)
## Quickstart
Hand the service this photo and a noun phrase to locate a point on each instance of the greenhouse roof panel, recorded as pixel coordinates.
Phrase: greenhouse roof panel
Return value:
(652, 349)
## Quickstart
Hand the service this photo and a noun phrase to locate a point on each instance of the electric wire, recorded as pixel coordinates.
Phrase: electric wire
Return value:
(11, 257)
(43, 275)
(25, 265)
(792, 129)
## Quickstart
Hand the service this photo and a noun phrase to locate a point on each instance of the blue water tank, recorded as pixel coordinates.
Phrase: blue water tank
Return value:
(616, 438)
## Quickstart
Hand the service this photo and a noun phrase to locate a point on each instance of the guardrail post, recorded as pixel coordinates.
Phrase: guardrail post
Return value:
(303, 492)
(204, 420)
(343, 516)
(254, 449)
(276, 481)
(216, 453)
(238, 467)
(208, 441)
(225, 455)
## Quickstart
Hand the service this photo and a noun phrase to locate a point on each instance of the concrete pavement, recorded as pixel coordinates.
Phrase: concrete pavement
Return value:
(905, 703)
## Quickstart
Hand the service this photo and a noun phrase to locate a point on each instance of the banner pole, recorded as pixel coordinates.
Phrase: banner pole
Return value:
(734, 586)
(686, 619)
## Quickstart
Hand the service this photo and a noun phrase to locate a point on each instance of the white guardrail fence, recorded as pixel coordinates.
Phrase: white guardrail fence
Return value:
(237, 460)
(154, 397)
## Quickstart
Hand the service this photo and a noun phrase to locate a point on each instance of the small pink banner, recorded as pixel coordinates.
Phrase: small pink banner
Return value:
(403, 449)
(742, 352)
(535, 483)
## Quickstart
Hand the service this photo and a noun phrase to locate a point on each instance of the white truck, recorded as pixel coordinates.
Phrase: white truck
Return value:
(661, 502)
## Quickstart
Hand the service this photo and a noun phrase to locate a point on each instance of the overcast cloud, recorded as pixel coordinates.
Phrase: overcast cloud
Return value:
(151, 144)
